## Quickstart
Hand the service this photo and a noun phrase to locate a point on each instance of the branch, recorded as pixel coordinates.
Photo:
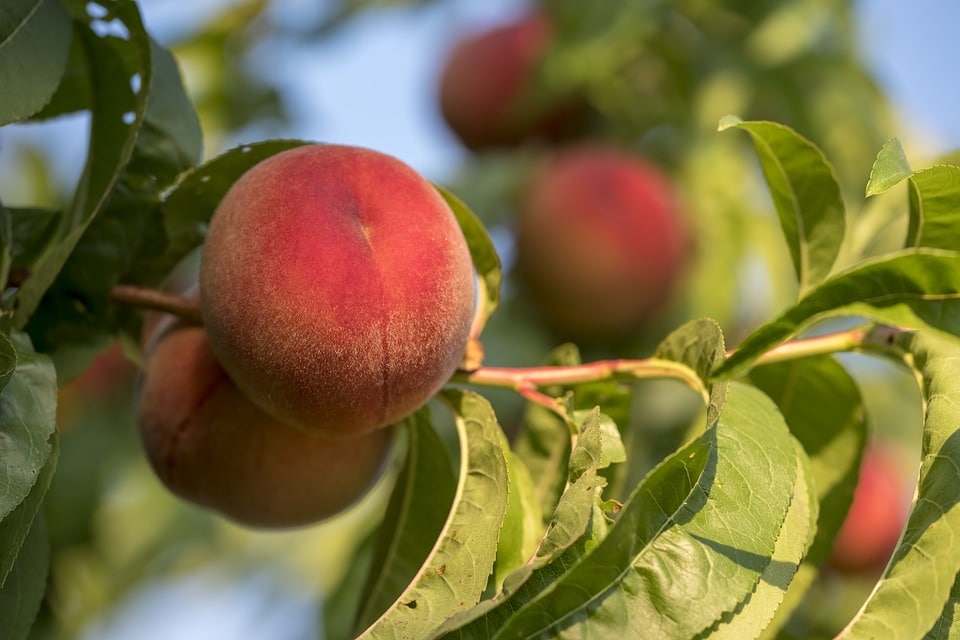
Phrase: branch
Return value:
(154, 300)
(527, 381)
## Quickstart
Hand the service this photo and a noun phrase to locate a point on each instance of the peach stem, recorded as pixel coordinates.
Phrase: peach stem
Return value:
(527, 381)
(156, 300)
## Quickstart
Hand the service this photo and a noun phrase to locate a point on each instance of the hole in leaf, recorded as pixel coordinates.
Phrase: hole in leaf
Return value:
(95, 10)
(136, 82)
(115, 27)
(245, 149)
(129, 117)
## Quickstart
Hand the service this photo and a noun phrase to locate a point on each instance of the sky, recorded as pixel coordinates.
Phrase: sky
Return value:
(336, 92)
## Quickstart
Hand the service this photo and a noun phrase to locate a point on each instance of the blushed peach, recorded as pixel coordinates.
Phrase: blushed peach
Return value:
(601, 241)
(210, 445)
(485, 88)
(337, 288)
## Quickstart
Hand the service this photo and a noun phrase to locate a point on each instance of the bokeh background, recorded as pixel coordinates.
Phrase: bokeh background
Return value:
(132, 562)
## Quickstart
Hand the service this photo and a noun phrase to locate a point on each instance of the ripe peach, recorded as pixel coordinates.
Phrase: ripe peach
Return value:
(483, 83)
(876, 517)
(601, 242)
(210, 445)
(337, 288)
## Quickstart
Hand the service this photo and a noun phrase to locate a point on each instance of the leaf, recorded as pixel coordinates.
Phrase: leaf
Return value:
(753, 618)
(576, 528)
(522, 523)
(910, 596)
(934, 208)
(27, 417)
(456, 571)
(485, 258)
(947, 626)
(543, 441)
(416, 513)
(805, 193)
(126, 237)
(889, 169)
(825, 412)
(8, 361)
(640, 579)
(16, 526)
(120, 71)
(21, 595)
(697, 344)
(909, 288)
(34, 43)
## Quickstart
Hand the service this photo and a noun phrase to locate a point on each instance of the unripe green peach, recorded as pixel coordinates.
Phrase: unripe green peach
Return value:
(210, 445)
(601, 242)
(337, 288)
(484, 87)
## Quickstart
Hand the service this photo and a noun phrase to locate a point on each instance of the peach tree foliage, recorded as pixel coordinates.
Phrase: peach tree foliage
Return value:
(548, 534)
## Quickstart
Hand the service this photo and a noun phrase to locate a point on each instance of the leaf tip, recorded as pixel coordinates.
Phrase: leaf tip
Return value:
(728, 121)
(889, 168)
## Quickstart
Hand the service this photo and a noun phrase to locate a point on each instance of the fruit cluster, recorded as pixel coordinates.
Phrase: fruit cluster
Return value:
(337, 295)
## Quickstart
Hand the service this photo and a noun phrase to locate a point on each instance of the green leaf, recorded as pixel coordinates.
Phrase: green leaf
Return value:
(889, 169)
(934, 208)
(825, 412)
(640, 580)
(417, 511)
(485, 258)
(697, 344)
(947, 626)
(120, 73)
(16, 526)
(909, 598)
(543, 441)
(910, 288)
(27, 415)
(806, 195)
(24, 589)
(127, 235)
(8, 360)
(522, 524)
(31, 233)
(34, 43)
(756, 614)
(577, 527)
(457, 568)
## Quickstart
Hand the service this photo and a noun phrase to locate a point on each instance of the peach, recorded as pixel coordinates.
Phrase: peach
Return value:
(485, 88)
(601, 242)
(876, 517)
(337, 288)
(210, 445)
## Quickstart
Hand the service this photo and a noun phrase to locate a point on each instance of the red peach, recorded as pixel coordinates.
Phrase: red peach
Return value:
(484, 83)
(601, 242)
(337, 288)
(876, 517)
(210, 445)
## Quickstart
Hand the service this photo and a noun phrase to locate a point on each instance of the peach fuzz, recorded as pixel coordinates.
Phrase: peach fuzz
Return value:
(337, 288)
(601, 242)
(211, 446)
